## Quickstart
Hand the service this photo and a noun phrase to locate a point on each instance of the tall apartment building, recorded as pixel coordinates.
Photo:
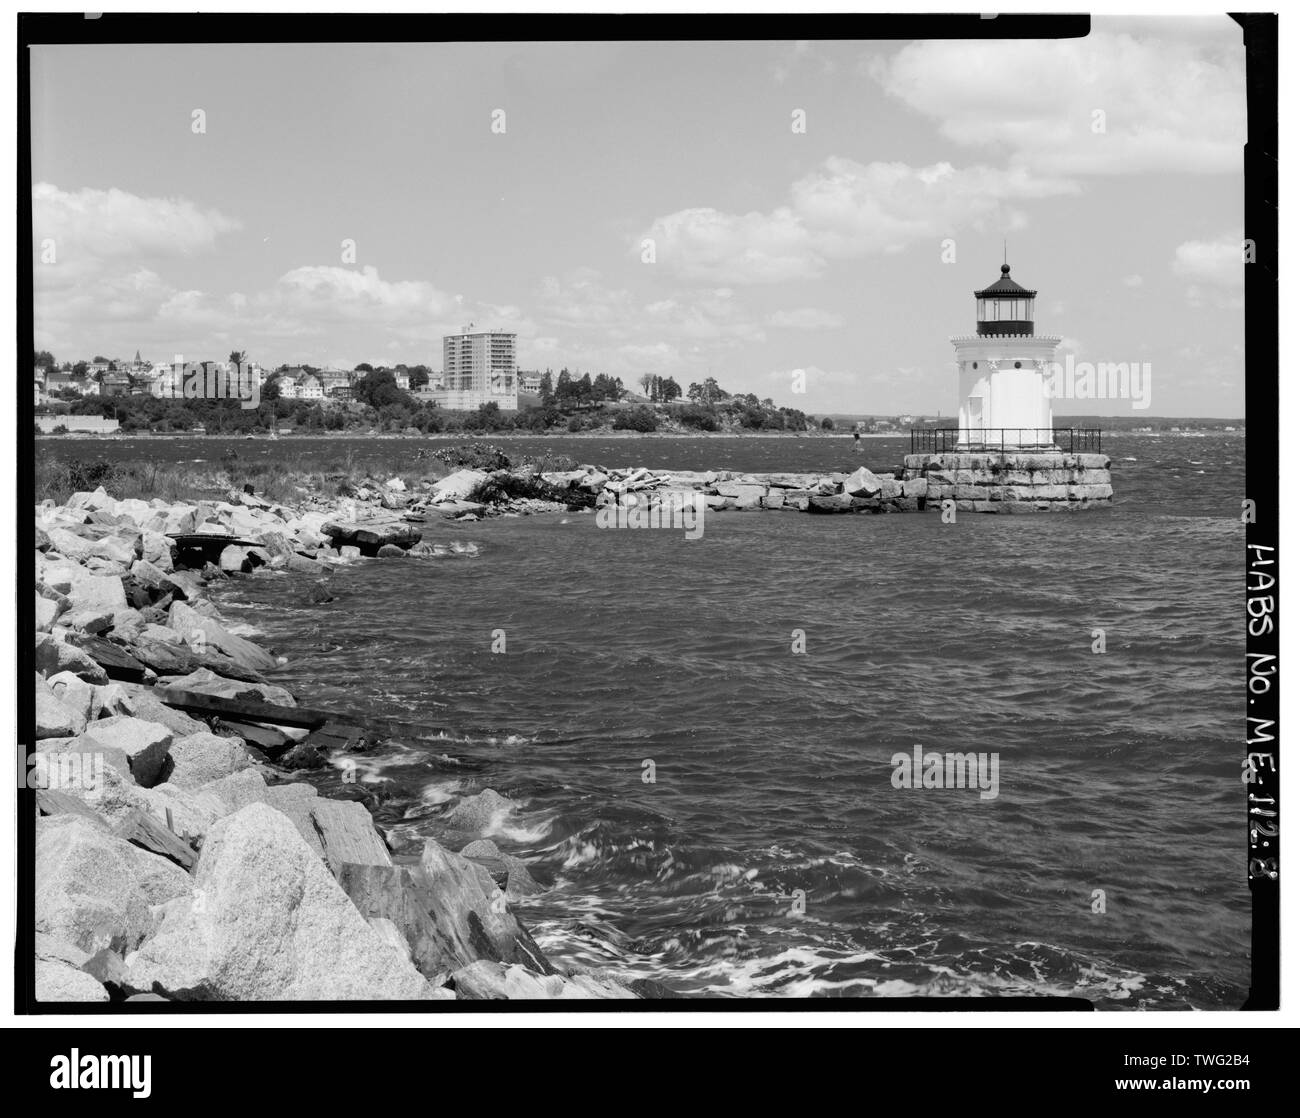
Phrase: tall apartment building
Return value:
(479, 367)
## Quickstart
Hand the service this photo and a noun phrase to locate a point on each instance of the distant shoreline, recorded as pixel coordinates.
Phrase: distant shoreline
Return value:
(506, 436)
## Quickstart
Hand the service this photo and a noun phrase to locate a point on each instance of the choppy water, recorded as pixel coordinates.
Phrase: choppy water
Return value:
(1118, 771)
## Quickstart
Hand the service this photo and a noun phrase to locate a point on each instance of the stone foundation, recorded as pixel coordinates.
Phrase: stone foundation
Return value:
(1037, 481)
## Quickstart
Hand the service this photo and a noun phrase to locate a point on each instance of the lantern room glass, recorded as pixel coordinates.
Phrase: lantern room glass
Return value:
(1004, 310)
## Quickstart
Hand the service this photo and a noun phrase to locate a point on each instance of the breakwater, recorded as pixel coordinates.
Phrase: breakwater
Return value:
(973, 482)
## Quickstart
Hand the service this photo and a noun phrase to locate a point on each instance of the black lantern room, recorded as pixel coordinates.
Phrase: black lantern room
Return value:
(1005, 307)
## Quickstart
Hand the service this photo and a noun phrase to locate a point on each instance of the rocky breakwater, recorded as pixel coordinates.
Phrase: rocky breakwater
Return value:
(1041, 481)
(602, 487)
(176, 858)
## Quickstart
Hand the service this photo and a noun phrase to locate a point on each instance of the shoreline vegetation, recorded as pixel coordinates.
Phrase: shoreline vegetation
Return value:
(376, 405)
(178, 858)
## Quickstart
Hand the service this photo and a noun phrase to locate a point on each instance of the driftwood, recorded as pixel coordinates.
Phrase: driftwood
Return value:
(50, 801)
(242, 710)
(113, 658)
(149, 833)
(269, 741)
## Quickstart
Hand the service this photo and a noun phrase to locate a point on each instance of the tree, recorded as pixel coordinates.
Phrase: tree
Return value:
(364, 367)
(237, 356)
(606, 388)
(45, 359)
(645, 380)
(828, 424)
(547, 390)
(80, 369)
(636, 419)
(420, 375)
(564, 389)
(378, 388)
(669, 390)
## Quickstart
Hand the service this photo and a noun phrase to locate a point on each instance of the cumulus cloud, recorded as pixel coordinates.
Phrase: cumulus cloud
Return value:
(842, 210)
(108, 224)
(1171, 102)
(360, 294)
(707, 245)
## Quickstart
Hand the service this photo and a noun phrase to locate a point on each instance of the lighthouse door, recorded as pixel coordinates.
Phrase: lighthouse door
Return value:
(975, 420)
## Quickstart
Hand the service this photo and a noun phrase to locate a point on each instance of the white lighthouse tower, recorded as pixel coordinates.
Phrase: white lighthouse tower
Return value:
(1003, 372)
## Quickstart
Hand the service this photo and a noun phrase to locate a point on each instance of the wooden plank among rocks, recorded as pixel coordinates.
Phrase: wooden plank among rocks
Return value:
(242, 710)
(149, 833)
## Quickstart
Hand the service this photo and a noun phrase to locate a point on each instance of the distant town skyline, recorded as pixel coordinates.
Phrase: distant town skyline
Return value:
(772, 214)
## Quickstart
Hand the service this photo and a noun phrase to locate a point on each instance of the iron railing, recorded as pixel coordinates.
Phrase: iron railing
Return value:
(945, 440)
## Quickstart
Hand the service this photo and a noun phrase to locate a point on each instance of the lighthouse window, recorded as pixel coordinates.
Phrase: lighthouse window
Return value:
(1017, 364)
(974, 364)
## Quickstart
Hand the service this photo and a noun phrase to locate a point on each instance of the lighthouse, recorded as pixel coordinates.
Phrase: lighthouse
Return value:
(1004, 455)
(1004, 372)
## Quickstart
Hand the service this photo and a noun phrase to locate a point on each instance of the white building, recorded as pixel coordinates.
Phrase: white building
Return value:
(1003, 372)
(479, 367)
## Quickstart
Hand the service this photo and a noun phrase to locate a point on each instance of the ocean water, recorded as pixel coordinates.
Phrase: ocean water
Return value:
(1118, 771)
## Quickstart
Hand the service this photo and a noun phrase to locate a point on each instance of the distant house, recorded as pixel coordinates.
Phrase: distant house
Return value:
(332, 380)
(56, 381)
(530, 383)
(115, 384)
(402, 379)
(310, 387)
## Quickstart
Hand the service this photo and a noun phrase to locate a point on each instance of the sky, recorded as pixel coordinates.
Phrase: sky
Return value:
(633, 208)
